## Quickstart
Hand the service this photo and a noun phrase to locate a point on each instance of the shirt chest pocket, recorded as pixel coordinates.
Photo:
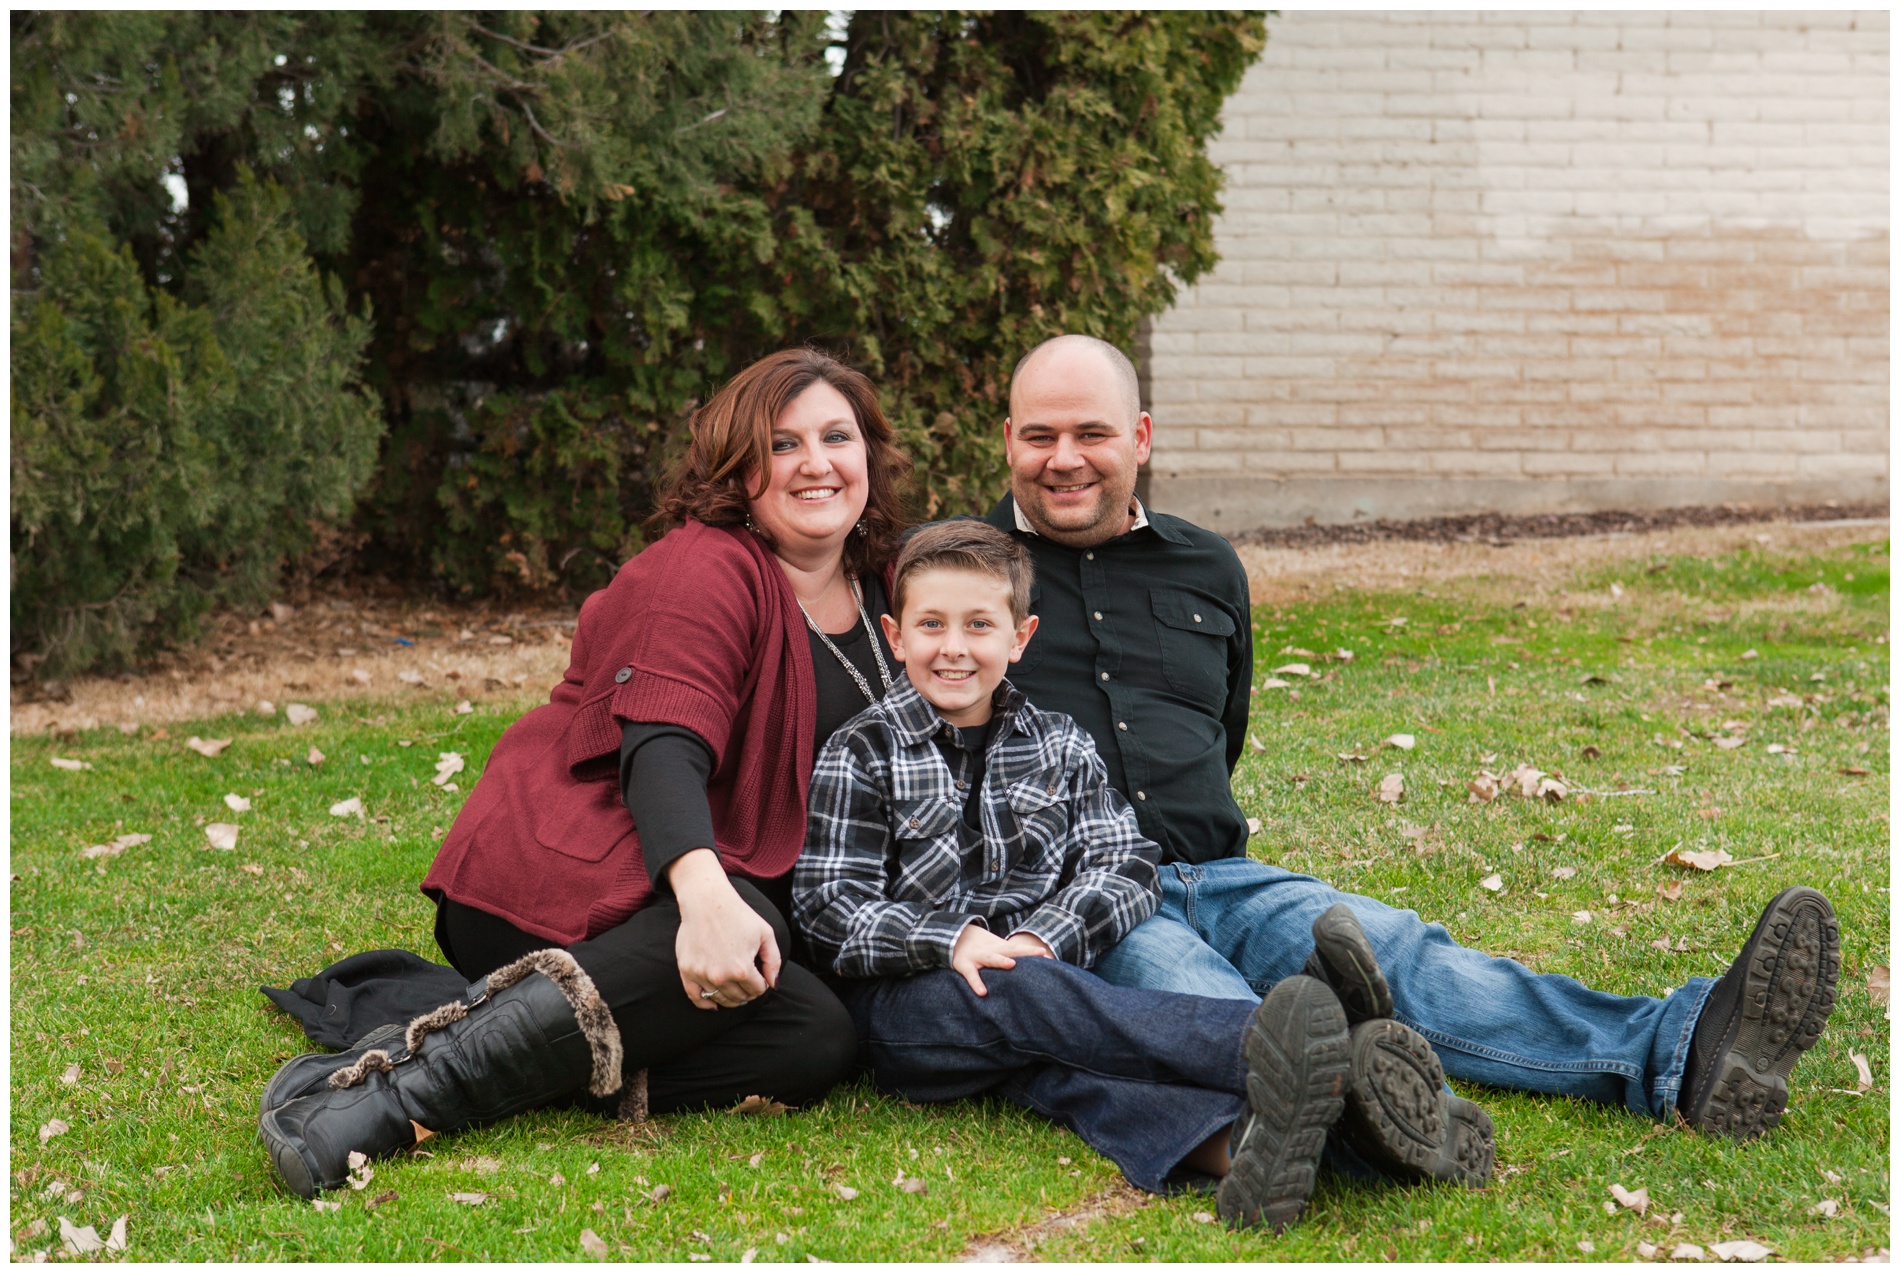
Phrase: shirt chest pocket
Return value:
(924, 841)
(1192, 632)
(1040, 805)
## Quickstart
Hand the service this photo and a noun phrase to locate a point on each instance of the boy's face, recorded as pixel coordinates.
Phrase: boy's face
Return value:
(956, 640)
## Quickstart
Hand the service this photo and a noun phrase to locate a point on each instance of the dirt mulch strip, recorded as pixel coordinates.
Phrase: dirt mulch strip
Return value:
(1498, 529)
(344, 641)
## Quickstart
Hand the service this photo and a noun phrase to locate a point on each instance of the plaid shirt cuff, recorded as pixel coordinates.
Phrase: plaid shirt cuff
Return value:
(1060, 931)
(932, 942)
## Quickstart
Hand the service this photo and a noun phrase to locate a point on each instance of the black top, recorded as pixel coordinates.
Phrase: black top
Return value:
(664, 768)
(1147, 642)
(963, 750)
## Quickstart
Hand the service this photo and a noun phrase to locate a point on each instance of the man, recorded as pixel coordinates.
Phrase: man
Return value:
(1146, 641)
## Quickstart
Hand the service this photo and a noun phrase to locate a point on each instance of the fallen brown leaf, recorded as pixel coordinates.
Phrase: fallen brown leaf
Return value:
(223, 835)
(61, 762)
(1743, 1251)
(1483, 788)
(1636, 1200)
(469, 1199)
(1493, 882)
(1705, 860)
(1855, 771)
(592, 1244)
(1562, 872)
(1877, 984)
(118, 845)
(1866, 1080)
(116, 1240)
(421, 1133)
(1670, 891)
(846, 1192)
(71, 1076)
(1391, 788)
(80, 1241)
(299, 713)
(759, 1107)
(207, 746)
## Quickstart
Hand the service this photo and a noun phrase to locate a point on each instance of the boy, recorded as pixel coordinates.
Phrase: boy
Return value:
(956, 829)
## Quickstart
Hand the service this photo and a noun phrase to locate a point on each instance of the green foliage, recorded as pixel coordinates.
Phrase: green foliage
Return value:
(170, 452)
(569, 228)
(186, 398)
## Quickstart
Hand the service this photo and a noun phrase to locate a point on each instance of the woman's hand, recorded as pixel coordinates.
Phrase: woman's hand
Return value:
(724, 946)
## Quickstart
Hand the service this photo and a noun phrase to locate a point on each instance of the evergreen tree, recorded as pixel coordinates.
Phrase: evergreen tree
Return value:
(527, 244)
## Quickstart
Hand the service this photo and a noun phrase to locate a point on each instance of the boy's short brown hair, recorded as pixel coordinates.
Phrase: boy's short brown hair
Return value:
(964, 543)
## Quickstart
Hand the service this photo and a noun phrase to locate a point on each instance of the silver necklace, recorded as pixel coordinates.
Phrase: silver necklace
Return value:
(883, 670)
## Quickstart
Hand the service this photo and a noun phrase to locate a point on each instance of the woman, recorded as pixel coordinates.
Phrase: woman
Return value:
(642, 957)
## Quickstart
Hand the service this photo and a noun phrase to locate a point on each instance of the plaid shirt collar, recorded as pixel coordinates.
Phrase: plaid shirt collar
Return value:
(915, 721)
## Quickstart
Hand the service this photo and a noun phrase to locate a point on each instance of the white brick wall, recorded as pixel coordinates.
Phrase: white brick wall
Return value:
(1537, 262)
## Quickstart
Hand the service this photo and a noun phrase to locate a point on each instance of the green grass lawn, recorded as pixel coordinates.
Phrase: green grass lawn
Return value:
(136, 1019)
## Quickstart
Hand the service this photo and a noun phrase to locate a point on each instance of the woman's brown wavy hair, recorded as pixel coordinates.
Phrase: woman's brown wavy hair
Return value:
(732, 438)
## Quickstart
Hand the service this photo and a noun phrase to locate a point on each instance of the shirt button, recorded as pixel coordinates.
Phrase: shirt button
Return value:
(1141, 795)
(915, 823)
(1197, 618)
(1122, 725)
(624, 675)
(1050, 790)
(963, 786)
(1089, 556)
(1098, 614)
(1105, 676)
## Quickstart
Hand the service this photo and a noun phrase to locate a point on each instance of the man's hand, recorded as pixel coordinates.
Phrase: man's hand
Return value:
(723, 946)
(977, 947)
(1027, 945)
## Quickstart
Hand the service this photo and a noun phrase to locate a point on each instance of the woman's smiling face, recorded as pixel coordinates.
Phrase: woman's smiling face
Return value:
(816, 488)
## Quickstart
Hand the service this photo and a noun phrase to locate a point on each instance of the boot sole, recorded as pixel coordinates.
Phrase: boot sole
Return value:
(1401, 1119)
(1793, 959)
(1342, 948)
(1296, 1050)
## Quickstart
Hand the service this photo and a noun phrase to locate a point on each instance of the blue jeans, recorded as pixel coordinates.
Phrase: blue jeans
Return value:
(1234, 927)
(1143, 1077)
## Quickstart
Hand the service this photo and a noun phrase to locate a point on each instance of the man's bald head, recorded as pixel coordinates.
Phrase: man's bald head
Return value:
(1067, 351)
(1076, 439)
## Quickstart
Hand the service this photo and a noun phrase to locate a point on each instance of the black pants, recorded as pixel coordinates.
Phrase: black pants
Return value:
(792, 1043)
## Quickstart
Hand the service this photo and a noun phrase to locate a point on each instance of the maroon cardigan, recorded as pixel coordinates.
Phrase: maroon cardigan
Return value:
(701, 630)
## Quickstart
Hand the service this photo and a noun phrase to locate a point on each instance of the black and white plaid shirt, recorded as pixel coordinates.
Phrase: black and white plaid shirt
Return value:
(889, 878)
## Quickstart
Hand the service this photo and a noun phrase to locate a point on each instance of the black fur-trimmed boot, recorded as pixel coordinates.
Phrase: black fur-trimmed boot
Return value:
(528, 1034)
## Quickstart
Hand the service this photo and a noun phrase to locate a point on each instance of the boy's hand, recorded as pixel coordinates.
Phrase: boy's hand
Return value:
(1028, 945)
(977, 947)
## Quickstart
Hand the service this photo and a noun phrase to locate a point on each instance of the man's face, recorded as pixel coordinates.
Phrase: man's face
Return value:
(1073, 447)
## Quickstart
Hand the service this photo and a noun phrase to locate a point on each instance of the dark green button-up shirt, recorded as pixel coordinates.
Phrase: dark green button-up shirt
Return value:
(1146, 641)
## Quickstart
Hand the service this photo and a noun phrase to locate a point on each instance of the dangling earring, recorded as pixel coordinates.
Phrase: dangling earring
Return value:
(751, 525)
(863, 530)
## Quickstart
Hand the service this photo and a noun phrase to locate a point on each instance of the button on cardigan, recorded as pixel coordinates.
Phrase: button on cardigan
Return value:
(700, 630)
